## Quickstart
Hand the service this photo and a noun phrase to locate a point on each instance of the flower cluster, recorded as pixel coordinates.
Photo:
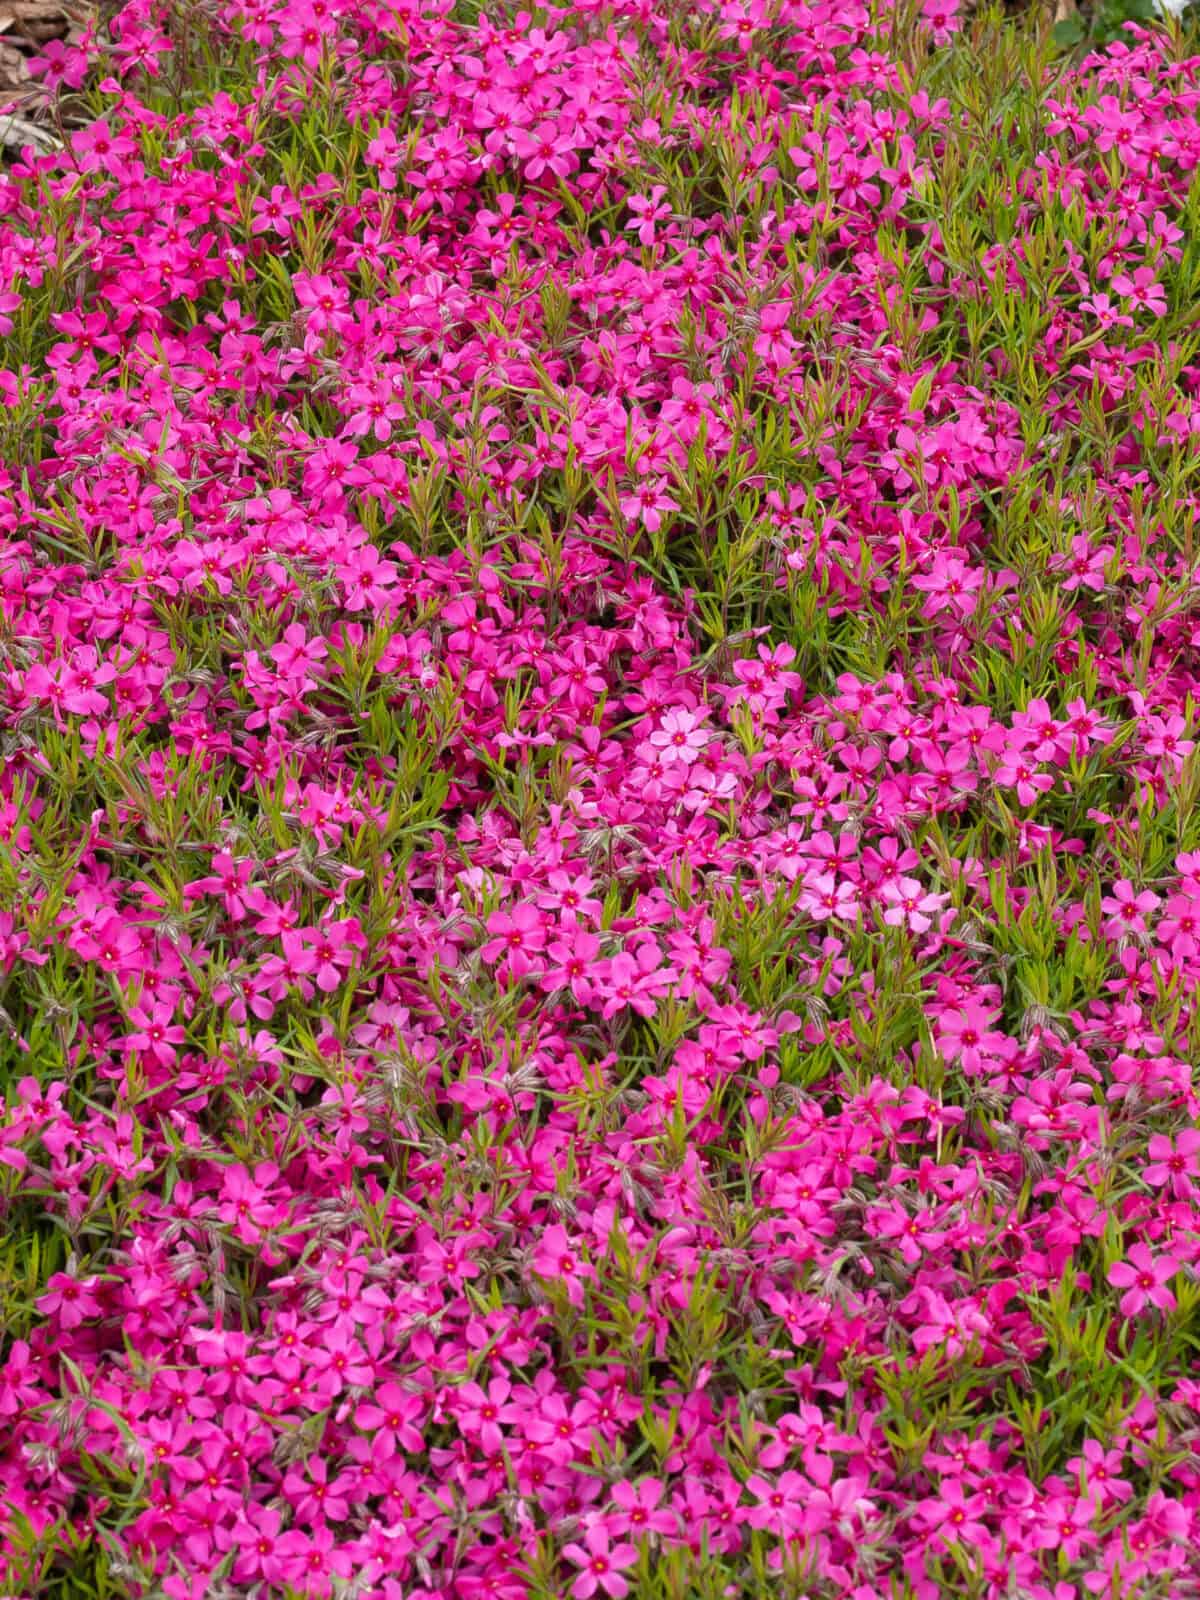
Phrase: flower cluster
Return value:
(599, 819)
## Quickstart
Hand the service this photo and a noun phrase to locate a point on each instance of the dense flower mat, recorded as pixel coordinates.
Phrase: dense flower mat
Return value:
(599, 833)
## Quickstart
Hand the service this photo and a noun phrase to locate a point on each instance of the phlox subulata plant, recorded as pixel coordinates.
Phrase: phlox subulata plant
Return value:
(599, 833)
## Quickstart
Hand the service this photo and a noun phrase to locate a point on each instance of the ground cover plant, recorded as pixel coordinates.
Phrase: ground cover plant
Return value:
(599, 809)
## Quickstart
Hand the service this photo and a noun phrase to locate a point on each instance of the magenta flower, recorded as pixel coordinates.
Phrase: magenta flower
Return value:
(951, 584)
(154, 1032)
(392, 1417)
(516, 937)
(906, 904)
(1144, 1277)
(558, 1261)
(637, 1509)
(648, 210)
(248, 1206)
(956, 1516)
(601, 1564)
(315, 1495)
(647, 503)
(1019, 771)
(782, 1503)
(547, 148)
(574, 959)
(1064, 1524)
(681, 737)
(256, 1537)
(229, 879)
(1128, 909)
(1174, 1162)
(275, 213)
(70, 1300)
(483, 1411)
(964, 1035)
(311, 1561)
(1141, 291)
(635, 980)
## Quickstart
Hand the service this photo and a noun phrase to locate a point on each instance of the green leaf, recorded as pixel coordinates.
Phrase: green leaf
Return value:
(1069, 32)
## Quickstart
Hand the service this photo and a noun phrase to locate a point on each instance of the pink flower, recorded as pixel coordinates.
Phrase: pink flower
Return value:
(1019, 771)
(635, 980)
(256, 1537)
(274, 213)
(1099, 1473)
(392, 1416)
(314, 1495)
(1086, 727)
(229, 879)
(1144, 1277)
(942, 17)
(1127, 909)
(311, 1561)
(570, 896)
(70, 1300)
(1106, 312)
(574, 960)
(247, 1206)
(516, 937)
(955, 1517)
(951, 584)
(154, 1033)
(1084, 566)
(330, 950)
(1180, 927)
(648, 210)
(601, 1564)
(455, 1104)
(1163, 737)
(1174, 1162)
(825, 897)
(647, 503)
(558, 1261)
(965, 1035)
(1064, 1523)
(482, 1411)
(638, 1510)
(322, 298)
(908, 905)
(548, 148)
(681, 737)
(1142, 291)
(913, 1234)
(782, 1503)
